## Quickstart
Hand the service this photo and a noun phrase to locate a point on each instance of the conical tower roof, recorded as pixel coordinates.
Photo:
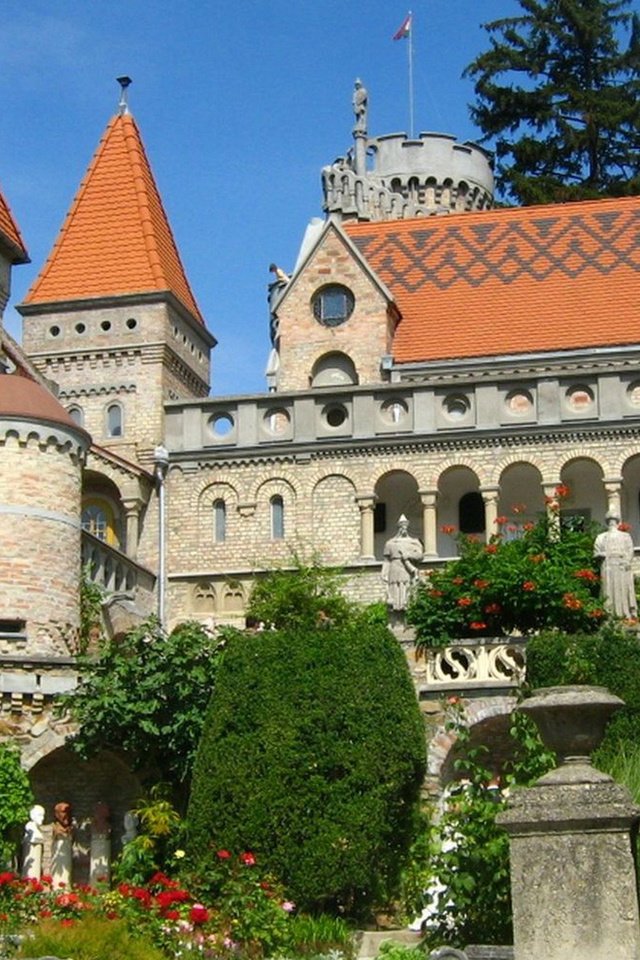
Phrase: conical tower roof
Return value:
(116, 239)
(10, 234)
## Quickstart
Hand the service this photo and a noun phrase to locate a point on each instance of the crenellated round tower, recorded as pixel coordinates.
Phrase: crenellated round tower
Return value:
(41, 455)
(394, 177)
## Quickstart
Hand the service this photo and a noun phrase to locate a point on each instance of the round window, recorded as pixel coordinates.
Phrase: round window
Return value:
(394, 411)
(456, 406)
(221, 425)
(519, 403)
(277, 420)
(335, 415)
(332, 305)
(579, 398)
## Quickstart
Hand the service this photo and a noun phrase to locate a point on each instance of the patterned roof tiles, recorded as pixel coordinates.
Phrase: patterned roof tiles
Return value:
(11, 234)
(116, 238)
(510, 280)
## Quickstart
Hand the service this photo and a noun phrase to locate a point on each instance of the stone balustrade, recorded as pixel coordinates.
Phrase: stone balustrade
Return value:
(113, 570)
(466, 665)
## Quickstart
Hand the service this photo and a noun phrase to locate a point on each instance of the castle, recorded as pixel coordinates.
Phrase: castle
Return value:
(431, 356)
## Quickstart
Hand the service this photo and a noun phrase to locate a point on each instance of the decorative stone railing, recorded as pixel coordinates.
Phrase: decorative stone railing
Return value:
(495, 663)
(113, 570)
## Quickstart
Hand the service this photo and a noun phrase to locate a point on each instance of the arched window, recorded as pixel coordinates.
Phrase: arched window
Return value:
(277, 517)
(471, 513)
(114, 420)
(99, 519)
(77, 415)
(219, 521)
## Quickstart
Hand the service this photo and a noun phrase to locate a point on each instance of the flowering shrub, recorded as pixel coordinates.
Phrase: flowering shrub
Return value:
(529, 576)
(235, 911)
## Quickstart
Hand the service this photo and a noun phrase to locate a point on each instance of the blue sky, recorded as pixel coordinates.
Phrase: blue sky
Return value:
(239, 104)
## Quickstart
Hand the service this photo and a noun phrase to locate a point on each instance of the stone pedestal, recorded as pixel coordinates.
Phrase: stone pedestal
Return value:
(573, 875)
(61, 853)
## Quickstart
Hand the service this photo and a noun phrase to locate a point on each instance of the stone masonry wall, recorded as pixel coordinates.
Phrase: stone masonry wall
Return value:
(40, 537)
(366, 335)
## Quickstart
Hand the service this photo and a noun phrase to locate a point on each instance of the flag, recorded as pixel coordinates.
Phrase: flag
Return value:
(404, 30)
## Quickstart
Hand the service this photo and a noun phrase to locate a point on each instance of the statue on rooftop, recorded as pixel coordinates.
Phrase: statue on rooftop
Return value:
(360, 103)
(615, 548)
(399, 570)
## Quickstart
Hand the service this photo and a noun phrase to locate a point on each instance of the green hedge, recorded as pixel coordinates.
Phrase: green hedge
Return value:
(312, 757)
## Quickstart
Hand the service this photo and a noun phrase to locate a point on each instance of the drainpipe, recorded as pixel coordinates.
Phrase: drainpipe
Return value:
(161, 460)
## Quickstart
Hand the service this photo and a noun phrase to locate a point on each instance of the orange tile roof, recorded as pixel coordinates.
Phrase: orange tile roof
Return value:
(510, 280)
(116, 238)
(11, 234)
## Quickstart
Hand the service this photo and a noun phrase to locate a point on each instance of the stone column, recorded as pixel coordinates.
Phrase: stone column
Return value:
(428, 499)
(613, 488)
(490, 497)
(366, 503)
(571, 837)
(132, 507)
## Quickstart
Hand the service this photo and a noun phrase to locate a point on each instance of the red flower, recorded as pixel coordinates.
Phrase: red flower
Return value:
(596, 614)
(625, 527)
(447, 528)
(586, 575)
(171, 915)
(519, 507)
(571, 602)
(248, 859)
(491, 548)
(435, 593)
(492, 608)
(529, 585)
(500, 520)
(537, 557)
(478, 625)
(67, 922)
(223, 855)
(481, 584)
(142, 896)
(563, 491)
(45, 914)
(465, 602)
(458, 581)
(528, 525)
(111, 915)
(160, 879)
(198, 913)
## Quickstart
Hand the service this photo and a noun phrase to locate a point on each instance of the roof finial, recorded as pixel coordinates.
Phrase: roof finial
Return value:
(123, 107)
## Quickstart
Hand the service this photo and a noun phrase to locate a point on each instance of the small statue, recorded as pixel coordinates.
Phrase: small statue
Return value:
(130, 823)
(399, 571)
(100, 850)
(32, 844)
(61, 852)
(360, 104)
(615, 548)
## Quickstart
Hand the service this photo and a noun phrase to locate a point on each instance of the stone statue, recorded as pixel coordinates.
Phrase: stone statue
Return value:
(100, 850)
(360, 103)
(615, 548)
(399, 571)
(130, 823)
(62, 843)
(32, 844)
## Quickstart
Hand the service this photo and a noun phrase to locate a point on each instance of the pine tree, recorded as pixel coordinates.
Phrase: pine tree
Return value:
(559, 90)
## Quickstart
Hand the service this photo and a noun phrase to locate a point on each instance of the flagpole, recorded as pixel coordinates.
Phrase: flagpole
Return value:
(410, 50)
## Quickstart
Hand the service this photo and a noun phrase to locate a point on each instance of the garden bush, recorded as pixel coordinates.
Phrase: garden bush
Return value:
(90, 939)
(312, 756)
(16, 797)
(530, 576)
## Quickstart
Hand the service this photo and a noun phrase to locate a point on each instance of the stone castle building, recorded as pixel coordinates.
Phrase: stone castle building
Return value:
(431, 356)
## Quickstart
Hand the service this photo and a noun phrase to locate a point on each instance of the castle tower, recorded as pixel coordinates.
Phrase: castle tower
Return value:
(111, 318)
(393, 177)
(41, 455)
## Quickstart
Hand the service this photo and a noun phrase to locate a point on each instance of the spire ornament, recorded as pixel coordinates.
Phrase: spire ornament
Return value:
(123, 106)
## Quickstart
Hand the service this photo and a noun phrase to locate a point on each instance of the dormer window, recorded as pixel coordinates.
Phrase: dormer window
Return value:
(332, 305)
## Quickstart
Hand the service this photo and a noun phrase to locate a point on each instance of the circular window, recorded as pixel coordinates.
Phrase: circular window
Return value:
(332, 305)
(394, 411)
(456, 406)
(221, 424)
(519, 403)
(80, 328)
(132, 323)
(579, 398)
(106, 325)
(335, 415)
(54, 331)
(277, 421)
(633, 394)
